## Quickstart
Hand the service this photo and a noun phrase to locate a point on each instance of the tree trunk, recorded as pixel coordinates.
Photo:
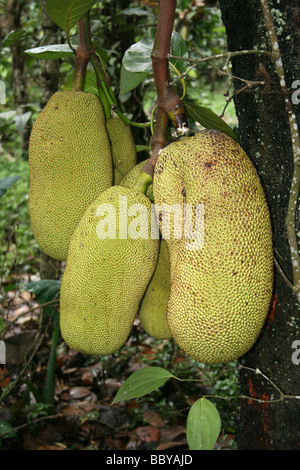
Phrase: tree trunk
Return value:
(265, 135)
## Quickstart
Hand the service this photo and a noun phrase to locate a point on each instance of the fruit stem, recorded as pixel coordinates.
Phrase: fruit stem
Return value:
(82, 57)
(142, 183)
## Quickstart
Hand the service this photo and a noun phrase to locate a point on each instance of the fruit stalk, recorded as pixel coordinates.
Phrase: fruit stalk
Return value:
(82, 57)
(168, 102)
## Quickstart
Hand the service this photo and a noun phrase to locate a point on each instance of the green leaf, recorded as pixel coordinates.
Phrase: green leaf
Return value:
(54, 51)
(89, 84)
(138, 57)
(14, 36)
(208, 119)
(5, 428)
(129, 80)
(178, 47)
(6, 183)
(68, 12)
(45, 290)
(203, 425)
(141, 382)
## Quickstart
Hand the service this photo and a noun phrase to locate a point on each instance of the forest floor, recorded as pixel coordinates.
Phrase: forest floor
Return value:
(83, 416)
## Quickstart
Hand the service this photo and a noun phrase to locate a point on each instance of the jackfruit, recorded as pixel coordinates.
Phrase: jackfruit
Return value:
(70, 164)
(122, 146)
(221, 284)
(110, 262)
(153, 308)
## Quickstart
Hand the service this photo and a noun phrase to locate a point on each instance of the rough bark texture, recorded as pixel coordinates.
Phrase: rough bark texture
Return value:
(264, 134)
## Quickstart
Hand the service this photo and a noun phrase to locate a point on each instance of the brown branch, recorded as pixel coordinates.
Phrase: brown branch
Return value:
(82, 57)
(168, 102)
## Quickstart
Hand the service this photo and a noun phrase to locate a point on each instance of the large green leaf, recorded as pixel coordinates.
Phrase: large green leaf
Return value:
(54, 51)
(67, 13)
(141, 382)
(208, 119)
(6, 183)
(138, 57)
(129, 80)
(203, 425)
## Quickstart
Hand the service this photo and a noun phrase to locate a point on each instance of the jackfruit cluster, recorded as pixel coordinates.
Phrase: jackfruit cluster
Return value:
(207, 284)
(222, 276)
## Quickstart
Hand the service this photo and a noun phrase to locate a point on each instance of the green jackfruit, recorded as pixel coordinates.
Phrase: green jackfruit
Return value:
(122, 146)
(222, 283)
(153, 308)
(110, 263)
(70, 164)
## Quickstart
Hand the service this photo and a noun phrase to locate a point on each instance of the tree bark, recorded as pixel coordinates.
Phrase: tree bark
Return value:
(264, 134)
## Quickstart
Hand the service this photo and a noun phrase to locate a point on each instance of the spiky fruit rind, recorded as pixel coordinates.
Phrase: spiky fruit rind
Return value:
(105, 278)
(70, 165)
(220, 293)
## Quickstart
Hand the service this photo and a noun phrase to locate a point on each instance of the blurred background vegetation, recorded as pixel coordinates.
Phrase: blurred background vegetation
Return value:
(29, 84)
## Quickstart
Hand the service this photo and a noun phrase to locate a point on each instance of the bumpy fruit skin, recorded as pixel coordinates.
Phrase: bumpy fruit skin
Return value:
(105, 278)
(153, 308)
(220, 293)
(70, 164)
(122, 146)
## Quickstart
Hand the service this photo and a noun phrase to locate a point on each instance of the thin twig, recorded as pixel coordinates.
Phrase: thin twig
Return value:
(52, 303)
